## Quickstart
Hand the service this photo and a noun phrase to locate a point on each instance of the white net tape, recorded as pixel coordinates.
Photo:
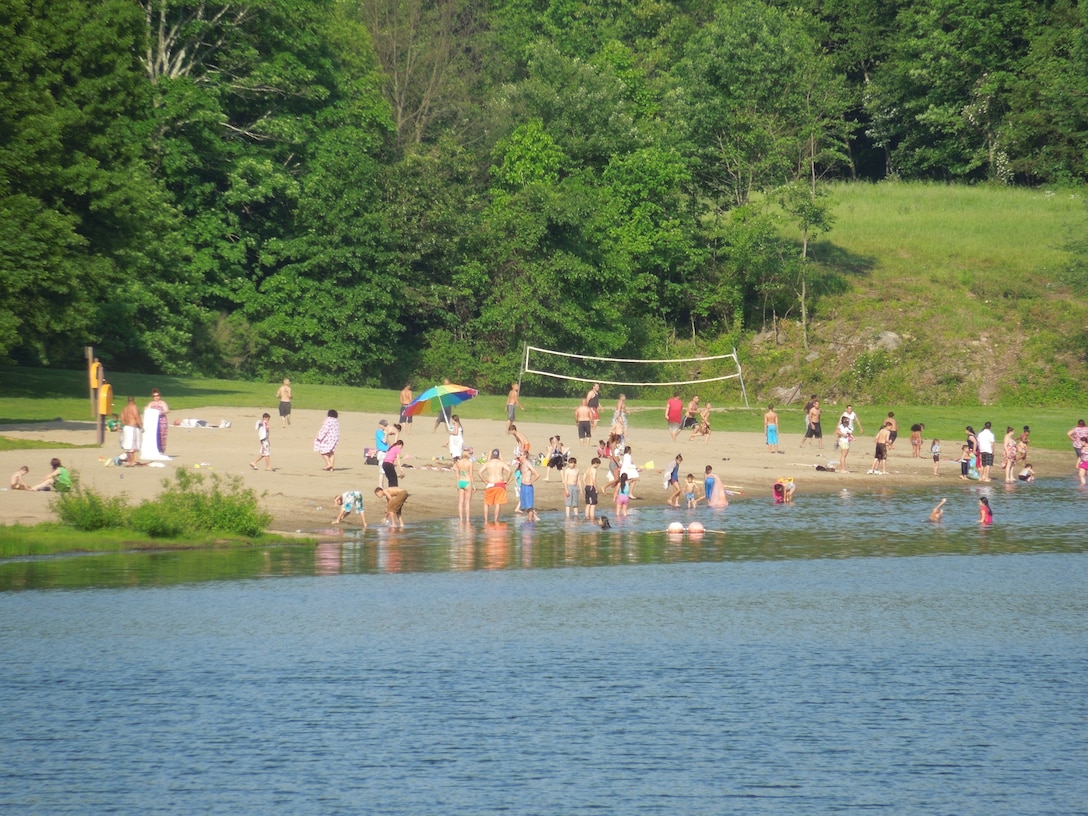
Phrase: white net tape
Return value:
(532, 367)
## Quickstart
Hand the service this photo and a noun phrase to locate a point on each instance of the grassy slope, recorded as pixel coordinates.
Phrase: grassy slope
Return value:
(975, 280)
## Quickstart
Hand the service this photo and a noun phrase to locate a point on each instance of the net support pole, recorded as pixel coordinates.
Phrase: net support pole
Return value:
(524, 368)
(740, 376)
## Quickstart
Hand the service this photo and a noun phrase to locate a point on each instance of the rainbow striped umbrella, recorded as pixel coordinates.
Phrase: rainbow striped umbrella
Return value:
(443, 397)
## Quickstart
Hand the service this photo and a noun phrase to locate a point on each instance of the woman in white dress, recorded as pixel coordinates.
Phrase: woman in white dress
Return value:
(457, 437)
(627, 465)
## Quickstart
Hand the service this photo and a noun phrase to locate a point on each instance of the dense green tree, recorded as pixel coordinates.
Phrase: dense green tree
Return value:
(1045, 133)
(354, 190)
(942, 95)
(429, 54)
(327, 305)
(77, 206)
(758, 91)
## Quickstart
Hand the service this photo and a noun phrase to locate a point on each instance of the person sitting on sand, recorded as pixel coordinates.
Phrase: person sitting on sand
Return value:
(17, 482)
(1027, 474)
(348, 501)
(59, 480)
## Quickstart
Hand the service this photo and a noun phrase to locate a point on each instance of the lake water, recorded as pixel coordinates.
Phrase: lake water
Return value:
(842, 655)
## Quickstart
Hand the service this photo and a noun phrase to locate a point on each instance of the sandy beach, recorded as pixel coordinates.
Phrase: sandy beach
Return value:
(299, 494)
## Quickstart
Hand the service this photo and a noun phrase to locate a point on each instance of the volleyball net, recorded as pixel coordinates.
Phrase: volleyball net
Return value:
(633, 373)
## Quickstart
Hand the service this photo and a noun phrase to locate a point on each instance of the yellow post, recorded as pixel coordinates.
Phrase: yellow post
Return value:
(105, 408)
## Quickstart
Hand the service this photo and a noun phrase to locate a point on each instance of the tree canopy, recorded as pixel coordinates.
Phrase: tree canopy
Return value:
(353, 190)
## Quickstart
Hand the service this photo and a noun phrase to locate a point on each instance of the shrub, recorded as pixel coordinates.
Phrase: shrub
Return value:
(86, 510)
(189, 506)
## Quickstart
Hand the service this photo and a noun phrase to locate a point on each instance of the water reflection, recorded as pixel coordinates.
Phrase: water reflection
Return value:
(879, 522)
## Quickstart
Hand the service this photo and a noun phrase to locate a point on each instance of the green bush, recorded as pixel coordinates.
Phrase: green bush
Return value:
(189, 506)
(154, 520)
(86, 510)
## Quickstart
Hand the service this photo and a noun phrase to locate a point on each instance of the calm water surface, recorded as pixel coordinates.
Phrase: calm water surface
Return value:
(812, 659)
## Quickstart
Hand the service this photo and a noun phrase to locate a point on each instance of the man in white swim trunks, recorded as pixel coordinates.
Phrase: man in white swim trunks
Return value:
(132, 426)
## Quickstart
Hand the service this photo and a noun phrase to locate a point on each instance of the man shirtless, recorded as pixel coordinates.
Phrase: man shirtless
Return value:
(512, 403)
(521, 442)
(692, 418)
(495, 473)
(583, 418)
(283, 394)
(528, 491)
(815, 430)
(770, 429)
(880, 457)
(132, 426)
(588, 480)
(893, 429)
(405, 401)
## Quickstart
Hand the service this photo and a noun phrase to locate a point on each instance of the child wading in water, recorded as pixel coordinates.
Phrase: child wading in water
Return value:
(571, 480)
(985, 514)
(589, 487)
(623, 495)
(690, 493)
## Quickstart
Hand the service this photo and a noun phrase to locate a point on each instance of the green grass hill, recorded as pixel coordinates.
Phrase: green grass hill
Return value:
(939, 294)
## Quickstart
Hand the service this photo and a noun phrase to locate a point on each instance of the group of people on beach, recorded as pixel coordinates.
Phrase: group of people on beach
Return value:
(387, 454)
(59, 478)
(694, 417)
(610, 471)
(978, 450)
(622, 476)
(132, 428)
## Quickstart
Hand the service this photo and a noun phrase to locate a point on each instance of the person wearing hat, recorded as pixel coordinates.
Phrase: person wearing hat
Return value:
(284, 396)
(381, 446)
(495, 473)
